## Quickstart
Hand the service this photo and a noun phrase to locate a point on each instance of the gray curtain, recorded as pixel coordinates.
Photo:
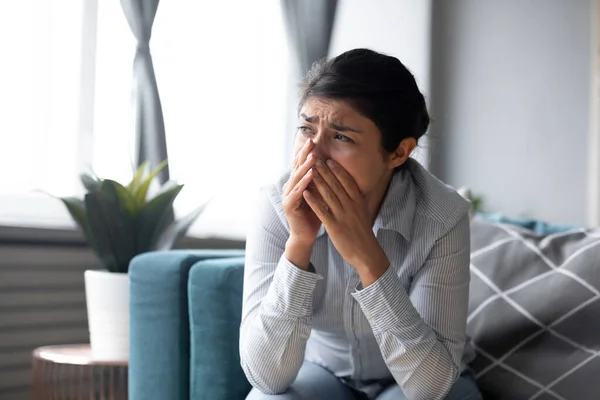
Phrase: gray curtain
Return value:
(309, 24)
(149, 123)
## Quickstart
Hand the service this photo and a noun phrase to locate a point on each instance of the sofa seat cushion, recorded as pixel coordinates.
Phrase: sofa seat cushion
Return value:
(215, 305)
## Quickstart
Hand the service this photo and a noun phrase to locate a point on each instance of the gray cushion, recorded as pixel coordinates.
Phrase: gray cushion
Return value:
(534, 312)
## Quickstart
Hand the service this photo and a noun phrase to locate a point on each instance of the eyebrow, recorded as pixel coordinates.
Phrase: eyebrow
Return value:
(337, 127)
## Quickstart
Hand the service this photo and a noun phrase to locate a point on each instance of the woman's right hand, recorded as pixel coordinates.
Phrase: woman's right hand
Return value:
(304, 223)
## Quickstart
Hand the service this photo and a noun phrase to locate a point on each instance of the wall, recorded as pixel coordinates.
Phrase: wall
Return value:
(400, 28)
(510, 90)
(42, 302)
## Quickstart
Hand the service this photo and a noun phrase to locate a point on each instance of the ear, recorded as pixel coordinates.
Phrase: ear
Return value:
(403, 151)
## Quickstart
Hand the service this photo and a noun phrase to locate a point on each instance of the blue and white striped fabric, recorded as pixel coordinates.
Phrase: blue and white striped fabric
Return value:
(409, 325)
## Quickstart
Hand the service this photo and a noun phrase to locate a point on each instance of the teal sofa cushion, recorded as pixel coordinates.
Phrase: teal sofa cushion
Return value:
(159, 360)
(215, 307)
(535, 225)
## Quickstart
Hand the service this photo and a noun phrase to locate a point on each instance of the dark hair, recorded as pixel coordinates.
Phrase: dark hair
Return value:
(378, 86)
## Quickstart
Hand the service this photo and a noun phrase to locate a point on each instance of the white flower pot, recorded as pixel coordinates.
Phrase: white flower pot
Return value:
(107, 297)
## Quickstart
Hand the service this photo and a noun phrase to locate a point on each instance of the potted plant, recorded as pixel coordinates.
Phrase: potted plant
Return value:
(120, 222)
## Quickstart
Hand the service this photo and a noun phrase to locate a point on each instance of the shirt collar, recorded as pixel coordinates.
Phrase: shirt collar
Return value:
(398, 208)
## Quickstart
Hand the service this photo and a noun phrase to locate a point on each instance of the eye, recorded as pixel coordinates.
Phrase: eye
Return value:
(305, 129)
(343, 138)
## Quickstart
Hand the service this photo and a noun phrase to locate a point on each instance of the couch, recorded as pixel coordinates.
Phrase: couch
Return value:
(533, 317)
(185, 312)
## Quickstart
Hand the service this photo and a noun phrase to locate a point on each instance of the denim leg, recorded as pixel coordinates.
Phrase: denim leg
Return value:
(464, 389)
(313, 383)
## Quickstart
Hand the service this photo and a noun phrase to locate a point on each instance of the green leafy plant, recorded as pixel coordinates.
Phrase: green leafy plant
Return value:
(120, 222)
(477, 202)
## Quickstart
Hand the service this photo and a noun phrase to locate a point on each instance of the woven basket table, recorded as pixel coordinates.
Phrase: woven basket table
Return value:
(70, 373)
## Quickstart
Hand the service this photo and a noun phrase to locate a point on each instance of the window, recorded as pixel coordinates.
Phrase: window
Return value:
(221, 68)
(40, 141)
(222, 72)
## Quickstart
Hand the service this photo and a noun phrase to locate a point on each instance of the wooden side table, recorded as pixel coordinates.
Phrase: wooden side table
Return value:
(70, 373)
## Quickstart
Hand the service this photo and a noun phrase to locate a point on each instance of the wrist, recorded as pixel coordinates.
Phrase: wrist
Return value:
(373, 261)
(298, 252)
(300, 243)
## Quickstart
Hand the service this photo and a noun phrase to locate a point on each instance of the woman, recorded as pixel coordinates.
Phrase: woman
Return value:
(357, 269)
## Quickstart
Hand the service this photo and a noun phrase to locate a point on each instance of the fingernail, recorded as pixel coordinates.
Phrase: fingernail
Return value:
(319, 161)
(330, 163)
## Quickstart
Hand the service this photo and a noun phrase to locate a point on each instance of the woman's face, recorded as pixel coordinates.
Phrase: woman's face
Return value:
(349, 138)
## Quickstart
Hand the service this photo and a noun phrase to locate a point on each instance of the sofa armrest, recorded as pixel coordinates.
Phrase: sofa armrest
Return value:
(215, 306)
(159, 322)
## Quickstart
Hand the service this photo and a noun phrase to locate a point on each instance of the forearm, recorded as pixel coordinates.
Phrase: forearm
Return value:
(272, 350)
(422, 364)
(274, 334)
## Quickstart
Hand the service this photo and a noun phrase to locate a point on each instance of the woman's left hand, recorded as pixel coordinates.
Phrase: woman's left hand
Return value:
(343, 211)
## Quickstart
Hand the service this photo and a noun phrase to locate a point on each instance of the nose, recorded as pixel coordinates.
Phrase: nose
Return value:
(320, 149)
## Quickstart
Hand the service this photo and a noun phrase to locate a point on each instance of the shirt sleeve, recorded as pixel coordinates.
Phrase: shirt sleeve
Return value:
(277, 306)
(421, 334)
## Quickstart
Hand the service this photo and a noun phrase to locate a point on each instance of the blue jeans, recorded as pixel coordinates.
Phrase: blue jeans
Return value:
(316, 383)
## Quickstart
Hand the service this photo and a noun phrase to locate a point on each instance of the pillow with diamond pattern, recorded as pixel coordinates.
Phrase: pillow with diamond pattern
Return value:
(534, 312)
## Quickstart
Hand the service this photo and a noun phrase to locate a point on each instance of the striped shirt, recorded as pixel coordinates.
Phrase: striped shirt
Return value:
(408, 326)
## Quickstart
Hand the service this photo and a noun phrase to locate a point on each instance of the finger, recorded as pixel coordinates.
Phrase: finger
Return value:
(298, 173)
(345, 179)
(300, 157)
(315, 192)
(328, 195)
(318, 208)
(331, 181)
(295, 193)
